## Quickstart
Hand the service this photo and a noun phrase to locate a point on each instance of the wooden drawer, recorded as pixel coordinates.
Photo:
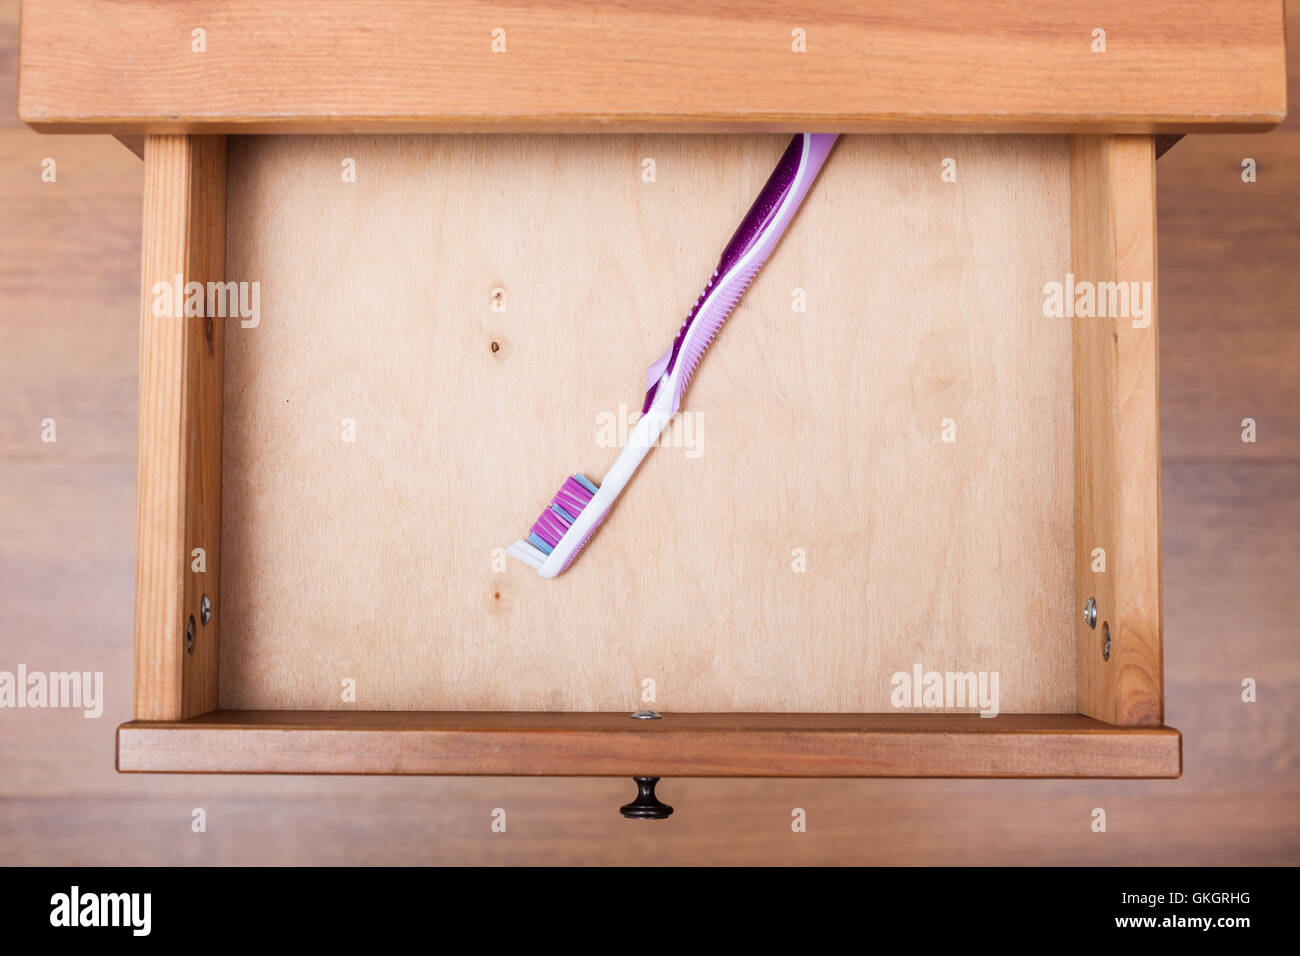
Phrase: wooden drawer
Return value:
(911, 475)
(898, 461)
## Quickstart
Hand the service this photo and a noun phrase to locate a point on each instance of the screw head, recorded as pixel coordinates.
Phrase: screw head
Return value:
(647, 715)
(1105, 639)
(189, 635)
(205, 609)
(1090, 612)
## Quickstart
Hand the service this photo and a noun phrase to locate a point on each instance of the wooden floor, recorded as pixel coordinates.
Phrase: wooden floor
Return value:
(1230, 349)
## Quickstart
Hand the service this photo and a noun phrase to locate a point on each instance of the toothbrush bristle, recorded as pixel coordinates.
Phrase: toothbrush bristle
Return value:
(564, 509)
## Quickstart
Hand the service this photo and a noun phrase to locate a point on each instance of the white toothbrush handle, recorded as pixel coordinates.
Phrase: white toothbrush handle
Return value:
(644, 435)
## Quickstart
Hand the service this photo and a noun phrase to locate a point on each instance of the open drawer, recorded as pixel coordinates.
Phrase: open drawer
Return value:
(918, 476)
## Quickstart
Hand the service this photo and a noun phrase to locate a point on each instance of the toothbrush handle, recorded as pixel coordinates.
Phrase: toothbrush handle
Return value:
(751, 244)
(647, 431)
(780, 198)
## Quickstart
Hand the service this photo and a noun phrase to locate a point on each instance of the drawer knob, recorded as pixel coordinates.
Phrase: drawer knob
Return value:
(646, 806)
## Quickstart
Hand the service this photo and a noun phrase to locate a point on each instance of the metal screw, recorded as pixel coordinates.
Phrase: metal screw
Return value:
(205, 609)
(189, 635)
(1090, 612)
(647, 715)
(1105, 636)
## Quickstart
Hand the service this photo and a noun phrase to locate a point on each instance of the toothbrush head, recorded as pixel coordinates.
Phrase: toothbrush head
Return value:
(554, 529)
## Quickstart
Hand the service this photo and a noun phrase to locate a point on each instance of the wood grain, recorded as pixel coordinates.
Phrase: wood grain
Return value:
(914, 65)
(133, 142)
(69, 320)
(63, 358)
(1231, 541)
(705, 745)
(818, 431)
(1240, 311)
(179, 486)
(1117, 441)
(733, 821)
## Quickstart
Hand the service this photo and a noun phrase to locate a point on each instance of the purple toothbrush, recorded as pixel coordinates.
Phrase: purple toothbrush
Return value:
(579, 507)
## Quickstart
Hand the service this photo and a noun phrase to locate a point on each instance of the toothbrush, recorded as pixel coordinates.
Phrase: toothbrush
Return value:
(580, 506)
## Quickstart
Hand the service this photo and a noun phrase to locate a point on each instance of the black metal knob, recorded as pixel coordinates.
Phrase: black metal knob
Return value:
(646, 806)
